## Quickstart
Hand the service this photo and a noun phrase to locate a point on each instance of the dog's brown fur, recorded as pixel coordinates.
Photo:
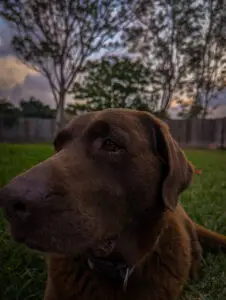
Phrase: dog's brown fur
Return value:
(116, 177)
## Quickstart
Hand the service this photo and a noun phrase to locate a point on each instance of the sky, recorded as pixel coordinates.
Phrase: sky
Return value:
(17, 81)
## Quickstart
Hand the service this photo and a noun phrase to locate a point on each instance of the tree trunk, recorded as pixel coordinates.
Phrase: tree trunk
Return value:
(205, 109)
(60, 113)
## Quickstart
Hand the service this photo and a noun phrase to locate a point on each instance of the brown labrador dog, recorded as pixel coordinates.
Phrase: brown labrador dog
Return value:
(105, 210)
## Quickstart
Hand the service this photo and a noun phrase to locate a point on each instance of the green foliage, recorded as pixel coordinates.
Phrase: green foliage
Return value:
(113, 82)
(34, 108)
(9, 114)
(22, 273)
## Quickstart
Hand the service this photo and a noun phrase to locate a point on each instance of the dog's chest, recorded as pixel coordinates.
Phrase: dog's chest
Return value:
(159, 279)
(161, 276)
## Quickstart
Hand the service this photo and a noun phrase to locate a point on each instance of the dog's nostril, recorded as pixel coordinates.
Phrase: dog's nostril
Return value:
(19, 207)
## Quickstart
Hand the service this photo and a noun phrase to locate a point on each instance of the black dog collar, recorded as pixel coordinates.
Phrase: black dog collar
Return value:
(117, 271)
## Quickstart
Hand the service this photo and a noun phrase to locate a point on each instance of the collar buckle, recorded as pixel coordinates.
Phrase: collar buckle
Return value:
(129, 272)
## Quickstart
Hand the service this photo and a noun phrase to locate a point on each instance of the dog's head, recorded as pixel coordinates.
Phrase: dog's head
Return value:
(109, 168)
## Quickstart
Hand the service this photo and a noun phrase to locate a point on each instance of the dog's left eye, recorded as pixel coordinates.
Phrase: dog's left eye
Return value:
(110, 146)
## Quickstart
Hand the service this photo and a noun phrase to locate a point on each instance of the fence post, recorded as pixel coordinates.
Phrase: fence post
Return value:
(222, 134)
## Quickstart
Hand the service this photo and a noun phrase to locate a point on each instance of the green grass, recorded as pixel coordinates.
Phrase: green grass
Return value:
(22, 273)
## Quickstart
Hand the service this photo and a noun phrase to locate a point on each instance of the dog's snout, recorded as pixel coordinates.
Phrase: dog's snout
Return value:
(14, 202)
(18, 198)
(23, 195)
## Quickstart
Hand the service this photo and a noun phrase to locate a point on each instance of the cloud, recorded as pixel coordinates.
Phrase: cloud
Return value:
(37, 86)
(17, 81)
(27, 86)
(14, 72)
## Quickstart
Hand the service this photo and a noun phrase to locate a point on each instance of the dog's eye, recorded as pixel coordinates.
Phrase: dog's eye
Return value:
(110, 146)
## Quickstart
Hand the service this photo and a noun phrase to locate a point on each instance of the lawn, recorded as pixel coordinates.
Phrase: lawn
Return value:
(22, 273)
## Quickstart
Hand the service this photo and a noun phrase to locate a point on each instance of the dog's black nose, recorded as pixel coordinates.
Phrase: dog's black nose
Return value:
(14, 201)
(23, 195)
(17, 199)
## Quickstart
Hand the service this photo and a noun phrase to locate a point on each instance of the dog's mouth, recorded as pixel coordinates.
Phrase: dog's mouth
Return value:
(22, 236)
(35, 246)
(30, 238)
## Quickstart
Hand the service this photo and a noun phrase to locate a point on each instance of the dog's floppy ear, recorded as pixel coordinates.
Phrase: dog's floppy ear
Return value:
(178, 170)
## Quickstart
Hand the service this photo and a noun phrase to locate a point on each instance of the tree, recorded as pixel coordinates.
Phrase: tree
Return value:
(189, 110)
(184, 44)
(113, 82)
(209, 73)
(34, 108)
(164, 34)
(9, 114)
(56, 37)
(76, 108)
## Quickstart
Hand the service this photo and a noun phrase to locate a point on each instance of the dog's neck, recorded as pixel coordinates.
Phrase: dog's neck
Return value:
(126, 265)
(129, 252)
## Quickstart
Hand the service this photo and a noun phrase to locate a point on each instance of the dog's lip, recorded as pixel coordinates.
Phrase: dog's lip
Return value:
(17, 235)
(34, 246)
(22, 239)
